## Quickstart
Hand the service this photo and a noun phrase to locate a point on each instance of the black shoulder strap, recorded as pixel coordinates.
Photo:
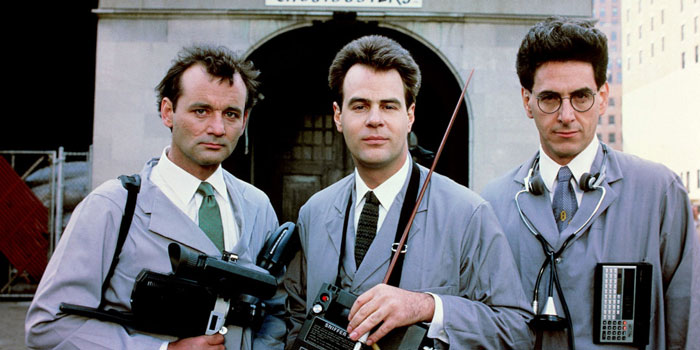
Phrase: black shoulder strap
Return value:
(409, 202)
(132, 184)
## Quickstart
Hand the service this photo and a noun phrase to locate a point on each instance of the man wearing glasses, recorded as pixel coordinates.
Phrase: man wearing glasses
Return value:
(575, 204)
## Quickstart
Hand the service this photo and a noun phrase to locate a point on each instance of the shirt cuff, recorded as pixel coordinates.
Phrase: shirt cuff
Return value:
(164, 346)
(437, 329)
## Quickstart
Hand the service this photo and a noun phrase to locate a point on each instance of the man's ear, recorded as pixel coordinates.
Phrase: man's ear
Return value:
(336, 117)
(166, 112)
(246, 114)
(411, 116)
(527, 96)
(604, 93)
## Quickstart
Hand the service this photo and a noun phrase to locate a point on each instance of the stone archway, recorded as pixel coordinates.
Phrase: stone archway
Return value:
(294, 150)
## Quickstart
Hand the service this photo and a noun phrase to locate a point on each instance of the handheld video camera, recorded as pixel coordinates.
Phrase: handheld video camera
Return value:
(203, 293)
(327, 321)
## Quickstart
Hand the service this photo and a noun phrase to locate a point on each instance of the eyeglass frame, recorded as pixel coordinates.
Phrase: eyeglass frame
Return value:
(561, 101)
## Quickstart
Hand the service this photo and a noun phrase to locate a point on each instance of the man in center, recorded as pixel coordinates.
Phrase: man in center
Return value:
(458, 271)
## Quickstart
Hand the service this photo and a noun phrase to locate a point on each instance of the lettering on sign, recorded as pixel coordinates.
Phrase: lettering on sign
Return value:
(348, 3)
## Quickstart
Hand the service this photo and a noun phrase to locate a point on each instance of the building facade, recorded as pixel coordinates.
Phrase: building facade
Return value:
(661, 73)
(292, 149)
(609, 130)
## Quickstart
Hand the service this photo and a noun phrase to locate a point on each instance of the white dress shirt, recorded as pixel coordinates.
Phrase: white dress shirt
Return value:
(181, 188)
(582, 163)
(386, 193)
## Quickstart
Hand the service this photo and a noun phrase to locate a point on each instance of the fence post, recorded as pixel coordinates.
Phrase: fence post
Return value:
(58, 222)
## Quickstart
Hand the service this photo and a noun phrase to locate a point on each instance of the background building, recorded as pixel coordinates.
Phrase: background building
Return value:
(292, 149)
(661, 75)
(607, 12)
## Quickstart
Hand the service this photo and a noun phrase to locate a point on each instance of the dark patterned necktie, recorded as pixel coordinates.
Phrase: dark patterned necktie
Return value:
(564, 203)
(210, 216)
(366, 227)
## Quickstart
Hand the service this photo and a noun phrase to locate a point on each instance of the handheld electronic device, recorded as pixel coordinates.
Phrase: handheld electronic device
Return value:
(326, 324)
(622, 303)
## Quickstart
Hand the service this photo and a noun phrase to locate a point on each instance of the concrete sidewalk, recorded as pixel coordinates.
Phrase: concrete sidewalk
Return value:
(12, 314)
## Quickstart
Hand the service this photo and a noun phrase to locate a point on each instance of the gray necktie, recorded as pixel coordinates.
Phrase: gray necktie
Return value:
(366, 227)
(564, 203)
(210, 216)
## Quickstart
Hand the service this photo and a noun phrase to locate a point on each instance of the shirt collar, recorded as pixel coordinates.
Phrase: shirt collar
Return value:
(581, 164)
(385, 192)
(184, 184)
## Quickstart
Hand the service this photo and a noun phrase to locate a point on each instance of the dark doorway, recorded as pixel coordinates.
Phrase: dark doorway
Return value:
(294, 149)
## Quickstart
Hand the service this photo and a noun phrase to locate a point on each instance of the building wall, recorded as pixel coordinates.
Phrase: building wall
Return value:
(609, 130)
(138, 39)
(661, 71)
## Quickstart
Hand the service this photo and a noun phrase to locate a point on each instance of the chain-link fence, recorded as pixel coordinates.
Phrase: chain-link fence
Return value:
(59, 180)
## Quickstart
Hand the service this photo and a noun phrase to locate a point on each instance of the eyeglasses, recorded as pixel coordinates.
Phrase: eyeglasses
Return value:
(581, 101)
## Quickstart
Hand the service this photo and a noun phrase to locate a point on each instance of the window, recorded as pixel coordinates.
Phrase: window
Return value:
(639, 3)
(600, 120)
(682, 32)
(695, 27)
(628, 15)
(640, 56)
(681, 5)
(682, 60)
(614, 11)
(662, 16)
(619, 77)
(613, 35)
(629, 63)
(602, 12)
(628, 39)
(640, 31)
(611, 120)
(696, 53)
(662, 43)
(600, 137)
(652, 24)
(611, 102)
(618, 62)
(652, 50)
(611, 137)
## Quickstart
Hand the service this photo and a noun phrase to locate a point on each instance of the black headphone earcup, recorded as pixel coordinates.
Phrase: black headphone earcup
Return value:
(587, 181)
(536, 185)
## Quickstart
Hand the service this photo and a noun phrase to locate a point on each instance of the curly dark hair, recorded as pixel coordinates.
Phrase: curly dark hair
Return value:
(380, 53)
(562, 39)
(219, 62)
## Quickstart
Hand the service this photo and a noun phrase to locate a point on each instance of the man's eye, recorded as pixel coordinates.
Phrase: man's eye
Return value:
(358, 107)
(200, 111)
(548, 98)
(582, 95)
(392, 107)
(232, 115)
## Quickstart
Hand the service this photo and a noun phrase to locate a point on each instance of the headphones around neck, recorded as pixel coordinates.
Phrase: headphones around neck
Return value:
(588, 182)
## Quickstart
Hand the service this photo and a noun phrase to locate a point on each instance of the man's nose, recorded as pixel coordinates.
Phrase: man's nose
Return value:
(566, 111)
(374, 117)
(216, 124)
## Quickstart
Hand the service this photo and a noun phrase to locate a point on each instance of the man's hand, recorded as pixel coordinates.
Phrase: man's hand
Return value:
(204, 342)
(391, 306)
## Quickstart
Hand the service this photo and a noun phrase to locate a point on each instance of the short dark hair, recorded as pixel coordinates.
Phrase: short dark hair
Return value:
(562, 39)
(380, 53)
(219, 62)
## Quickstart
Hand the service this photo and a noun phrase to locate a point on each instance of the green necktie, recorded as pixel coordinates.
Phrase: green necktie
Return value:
(210, 216)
